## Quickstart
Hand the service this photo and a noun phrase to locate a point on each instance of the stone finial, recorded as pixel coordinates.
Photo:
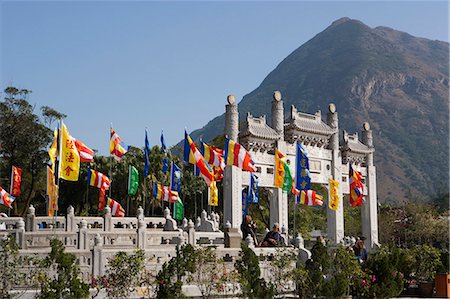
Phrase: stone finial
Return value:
(184, 223)
(107, 210)
(98, 240)
(83, 224)
(231, 99)
(283, 229)
(31, 210)
(249, 241)
(70, 210)
(191, 224)
(199, 222)
(204, 215)
(181, 240)
(228, 224)
(277, 95)
(140, 213)
(166, 213)
(299, 241)
(20, 224)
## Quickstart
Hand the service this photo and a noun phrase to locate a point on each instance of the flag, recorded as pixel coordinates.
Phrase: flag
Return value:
(287, 181)
(213, 195)
(356, 187)
(175, 178)
(5, 198)
(333, 204)
(86, 154)
(193, 156)
(235, 154)
(146, 153)
(310, 198)
(69, 164)
(253, 189)
(178, 210)
(101, 198)
(302, 176)
(16, 179)
(133, 180)
(116, 208)
(52, 193)
(214, 157)
(97, 179)
(244, 203)
(117, 148)
(164, 193)
(53, 151)
(165, 157)
(279, 169)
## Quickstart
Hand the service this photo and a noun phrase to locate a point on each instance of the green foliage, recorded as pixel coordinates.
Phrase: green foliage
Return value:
(282, 266)
(10, 275)
(62, 280)
(427, 260)
(252, 285)
(124, 272)
(303, 282)
(318, 266)
(383, 266)
(24, 139)
(169, 279)
(342, 270)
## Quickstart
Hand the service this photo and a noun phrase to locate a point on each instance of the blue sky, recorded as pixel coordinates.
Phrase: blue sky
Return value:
(168, 64)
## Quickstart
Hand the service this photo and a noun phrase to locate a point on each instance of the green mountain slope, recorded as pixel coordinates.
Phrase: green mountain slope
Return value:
(397, 82)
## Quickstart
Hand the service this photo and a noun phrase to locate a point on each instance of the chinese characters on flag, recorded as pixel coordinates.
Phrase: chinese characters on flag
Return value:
(70, 158)
(16, 179)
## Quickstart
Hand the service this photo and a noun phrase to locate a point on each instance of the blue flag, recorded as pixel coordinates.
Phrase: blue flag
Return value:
(146, 152)
(175, 178)
(244, 204)
(302, 176)
(253, 189)
(164, 151)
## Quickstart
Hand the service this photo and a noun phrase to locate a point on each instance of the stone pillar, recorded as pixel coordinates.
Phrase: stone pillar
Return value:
(191, 233)
(335, 219)
(278, 114)
(83, 242)
(97, 264)
(70, 223)
(20, 234)
(232, 186)
(141, 234)
(369, 209)
(107, 217)
(31, 219)
(231, 118)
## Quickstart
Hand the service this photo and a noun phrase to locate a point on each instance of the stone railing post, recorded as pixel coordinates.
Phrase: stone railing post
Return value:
(31, 219)
(141, 234)
(20, 234)
(108, 219)
(191, 232)
(70, 219)
(97, 265)
(82, 235)
(140, 213)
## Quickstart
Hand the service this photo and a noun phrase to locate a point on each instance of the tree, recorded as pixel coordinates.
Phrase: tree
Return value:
(252, 285)
(24, 140)
(124, 272)
(62, 280)
(10, 274)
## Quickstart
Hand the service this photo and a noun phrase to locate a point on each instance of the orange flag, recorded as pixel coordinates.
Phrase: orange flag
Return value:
(70, 158)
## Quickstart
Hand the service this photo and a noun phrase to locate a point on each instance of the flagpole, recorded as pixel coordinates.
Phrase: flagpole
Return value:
(55, 213)
(145, 189)
(110, 164)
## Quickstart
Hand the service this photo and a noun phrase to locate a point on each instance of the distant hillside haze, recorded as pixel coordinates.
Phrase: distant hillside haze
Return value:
(397, 82)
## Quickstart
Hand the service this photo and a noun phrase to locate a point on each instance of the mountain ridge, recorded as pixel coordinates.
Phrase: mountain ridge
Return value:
(397, 82)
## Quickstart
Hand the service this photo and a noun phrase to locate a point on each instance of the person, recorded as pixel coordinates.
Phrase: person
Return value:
(273, 238)
(248, 227)
(360, 250)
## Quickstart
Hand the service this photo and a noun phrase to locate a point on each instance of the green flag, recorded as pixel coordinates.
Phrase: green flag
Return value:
(133, 180)
(287, 185)
(178, 210)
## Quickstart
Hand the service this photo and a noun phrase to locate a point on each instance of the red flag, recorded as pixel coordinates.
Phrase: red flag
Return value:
(16, 179)
(86, 154)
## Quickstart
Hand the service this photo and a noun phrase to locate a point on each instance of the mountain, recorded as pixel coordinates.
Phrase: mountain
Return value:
(397, 82)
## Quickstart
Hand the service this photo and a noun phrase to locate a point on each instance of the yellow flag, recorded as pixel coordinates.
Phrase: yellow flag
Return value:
(53, 151)
(70, 159)
(213, 195)
(333, 203)
(279, 169)
(52, 193)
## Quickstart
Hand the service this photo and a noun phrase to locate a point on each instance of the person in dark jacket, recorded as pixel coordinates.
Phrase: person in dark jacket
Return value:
(273, 238)
(248, 227)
